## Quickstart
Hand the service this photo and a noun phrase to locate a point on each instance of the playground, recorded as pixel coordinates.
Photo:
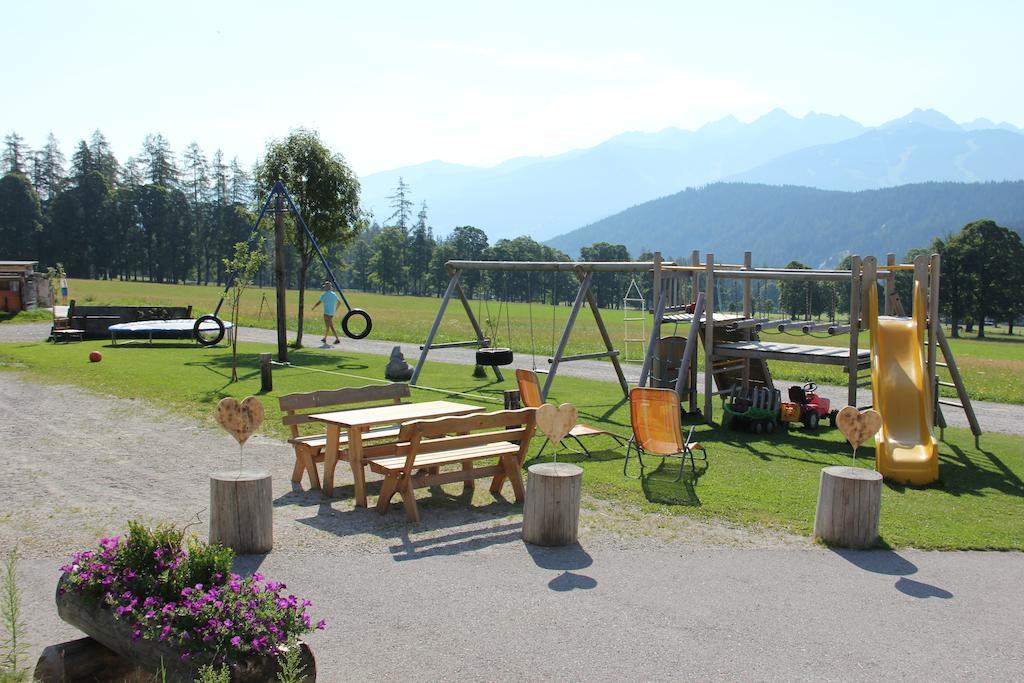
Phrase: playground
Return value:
(697, 447)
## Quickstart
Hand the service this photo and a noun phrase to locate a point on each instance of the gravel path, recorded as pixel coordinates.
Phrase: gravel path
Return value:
(994, 417)
(641, 597)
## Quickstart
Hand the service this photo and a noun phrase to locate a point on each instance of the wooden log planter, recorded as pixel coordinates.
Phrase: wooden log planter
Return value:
(89, 615)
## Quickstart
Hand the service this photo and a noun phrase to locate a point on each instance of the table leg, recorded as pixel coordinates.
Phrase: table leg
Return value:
(355, 459)
(330, 458)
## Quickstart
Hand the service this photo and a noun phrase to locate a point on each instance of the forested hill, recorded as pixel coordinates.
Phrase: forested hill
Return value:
(817, 227)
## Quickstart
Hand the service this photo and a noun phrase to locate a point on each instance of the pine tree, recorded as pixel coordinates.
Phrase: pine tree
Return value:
(421, 249)
(81, 161)
(402, 205)
(241, 184)
(219, 179)
(48, 169)
(157, 160)
(131, 173)
(103, 157)
(15, 154)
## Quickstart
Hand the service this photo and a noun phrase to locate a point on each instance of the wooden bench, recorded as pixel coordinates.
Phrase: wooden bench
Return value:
(309, 449)
(424, 446)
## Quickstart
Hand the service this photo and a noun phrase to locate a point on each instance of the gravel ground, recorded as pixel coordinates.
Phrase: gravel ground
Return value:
(993, 417)
(641, 597)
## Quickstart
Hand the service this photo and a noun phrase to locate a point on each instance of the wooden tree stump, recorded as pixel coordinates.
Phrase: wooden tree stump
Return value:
(551, 513)
(849, 503)
(242, 511)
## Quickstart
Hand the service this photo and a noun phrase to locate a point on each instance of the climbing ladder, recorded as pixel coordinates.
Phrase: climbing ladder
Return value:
(949, 362)
(634, 314)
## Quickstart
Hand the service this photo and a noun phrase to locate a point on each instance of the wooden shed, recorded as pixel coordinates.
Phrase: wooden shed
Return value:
(18, 286)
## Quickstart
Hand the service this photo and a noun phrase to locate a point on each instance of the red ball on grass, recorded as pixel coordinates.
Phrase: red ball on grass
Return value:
(95, 356)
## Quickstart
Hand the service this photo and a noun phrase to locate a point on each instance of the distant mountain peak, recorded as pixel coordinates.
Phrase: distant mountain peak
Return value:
(924, 117)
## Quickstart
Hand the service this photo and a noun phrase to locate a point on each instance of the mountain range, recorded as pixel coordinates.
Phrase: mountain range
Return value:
(547, 196)
(817, 227)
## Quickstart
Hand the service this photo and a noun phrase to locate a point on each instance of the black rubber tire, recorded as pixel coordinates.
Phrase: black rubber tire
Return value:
(832, 418)
(204, 341)
(812, 420)
(491, 356)
(358, 313)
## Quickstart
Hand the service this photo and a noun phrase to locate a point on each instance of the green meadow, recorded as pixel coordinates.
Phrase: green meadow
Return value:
(754, 481)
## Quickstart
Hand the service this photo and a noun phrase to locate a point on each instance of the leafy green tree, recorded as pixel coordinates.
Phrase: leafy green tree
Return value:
(608, 287)
(78, 232)
(20, 216)
(244, 264)
(325, 190)
(388, 269)
(359, 258)
(468, 244)
(439, 277)
(793, 293)
(987, 258)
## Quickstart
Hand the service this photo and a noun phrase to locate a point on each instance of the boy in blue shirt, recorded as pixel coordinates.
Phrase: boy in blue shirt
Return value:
(330, 301)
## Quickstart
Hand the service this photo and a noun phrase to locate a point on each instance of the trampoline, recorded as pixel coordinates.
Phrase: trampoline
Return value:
(206, 330)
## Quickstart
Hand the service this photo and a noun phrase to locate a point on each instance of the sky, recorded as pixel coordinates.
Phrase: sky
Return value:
(394, 83)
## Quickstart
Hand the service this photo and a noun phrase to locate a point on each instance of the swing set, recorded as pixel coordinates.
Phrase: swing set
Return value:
(490, 355)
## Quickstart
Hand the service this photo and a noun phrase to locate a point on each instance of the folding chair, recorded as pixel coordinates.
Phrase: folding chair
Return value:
(657, 429)
(529, 394)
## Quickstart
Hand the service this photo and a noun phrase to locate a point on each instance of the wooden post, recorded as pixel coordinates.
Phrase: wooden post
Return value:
(425, 349)
(605, 337)
(934, 319)
(709, 337)
(849, 504)
(857, 323)
(282, 313)
(581, 296)
(266, 373)
(656, 290)
(748, 308)
(890, 284)
(242, 511)
(551, 513)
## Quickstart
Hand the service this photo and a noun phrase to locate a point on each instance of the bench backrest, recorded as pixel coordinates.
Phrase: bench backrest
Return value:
(450, 433)
(318, 401)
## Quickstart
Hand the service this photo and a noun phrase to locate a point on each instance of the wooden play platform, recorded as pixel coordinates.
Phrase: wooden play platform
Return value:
(799, 353)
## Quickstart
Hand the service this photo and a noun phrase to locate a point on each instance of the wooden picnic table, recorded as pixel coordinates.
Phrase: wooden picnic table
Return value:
(360, 420)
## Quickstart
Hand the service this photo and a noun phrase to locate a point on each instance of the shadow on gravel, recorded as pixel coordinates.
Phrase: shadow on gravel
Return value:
(889, 563)
(565, 559)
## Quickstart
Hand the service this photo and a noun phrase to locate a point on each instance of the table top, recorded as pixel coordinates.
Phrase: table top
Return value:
(400, 412)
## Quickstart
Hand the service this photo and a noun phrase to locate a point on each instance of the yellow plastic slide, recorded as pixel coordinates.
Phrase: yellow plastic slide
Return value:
(905, 450)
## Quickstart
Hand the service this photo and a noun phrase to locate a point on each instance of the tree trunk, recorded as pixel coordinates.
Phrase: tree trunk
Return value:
(981, 328)
(303, 267)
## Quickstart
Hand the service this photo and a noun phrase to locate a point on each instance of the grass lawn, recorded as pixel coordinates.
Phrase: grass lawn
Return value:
(993, 368)
(760, 481)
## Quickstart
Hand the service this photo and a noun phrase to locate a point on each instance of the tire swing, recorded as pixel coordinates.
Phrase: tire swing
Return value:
(496, 356)
(204, 335)
(356, 313)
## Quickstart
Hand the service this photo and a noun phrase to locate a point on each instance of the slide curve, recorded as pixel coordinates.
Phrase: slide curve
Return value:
(905, 450)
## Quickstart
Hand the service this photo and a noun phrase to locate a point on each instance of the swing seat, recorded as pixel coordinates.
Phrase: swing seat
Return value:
(493, 356)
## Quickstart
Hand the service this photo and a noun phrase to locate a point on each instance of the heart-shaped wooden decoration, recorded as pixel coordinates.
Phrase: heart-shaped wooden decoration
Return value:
(858, 426)
(556, 422)
(240, 419)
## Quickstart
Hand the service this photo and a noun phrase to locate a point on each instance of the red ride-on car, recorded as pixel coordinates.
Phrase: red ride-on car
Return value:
(807, 407)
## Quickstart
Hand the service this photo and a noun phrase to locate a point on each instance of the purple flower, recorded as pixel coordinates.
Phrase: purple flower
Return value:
(236, 642)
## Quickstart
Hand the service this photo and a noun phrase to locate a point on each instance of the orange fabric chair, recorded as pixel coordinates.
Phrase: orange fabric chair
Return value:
(657, 429)
(529, 394)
